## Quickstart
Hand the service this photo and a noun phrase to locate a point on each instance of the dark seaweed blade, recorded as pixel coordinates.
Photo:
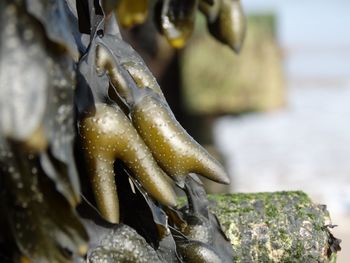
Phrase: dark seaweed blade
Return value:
(91, 86)
(196, 196)
(34, 210)
(61, 175)
(139, 209)
(144, 215)
(52, 14)
(124, 54)
(164, 243)
(167, 250)
(113, 243)
(126, 70)
(147, 218)
(37, 92)
(79, 23)
(6, 240)
(200, 219)
(59, 126)
(24, 73)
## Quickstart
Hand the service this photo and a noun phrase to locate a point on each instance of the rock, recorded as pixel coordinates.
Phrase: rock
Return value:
(276, 227)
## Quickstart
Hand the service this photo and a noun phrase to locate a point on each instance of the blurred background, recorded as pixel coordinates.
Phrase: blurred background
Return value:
(278, 114)
(304, 144)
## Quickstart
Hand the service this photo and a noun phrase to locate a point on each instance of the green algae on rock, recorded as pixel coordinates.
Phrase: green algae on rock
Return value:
(276, 227)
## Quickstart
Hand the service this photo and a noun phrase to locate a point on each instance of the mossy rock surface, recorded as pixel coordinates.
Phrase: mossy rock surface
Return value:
(275, 227)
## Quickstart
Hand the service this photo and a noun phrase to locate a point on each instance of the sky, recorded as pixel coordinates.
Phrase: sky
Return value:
(314, 35)
(309, 22)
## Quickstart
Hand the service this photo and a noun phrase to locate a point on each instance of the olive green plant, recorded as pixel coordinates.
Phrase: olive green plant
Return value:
(86, 176)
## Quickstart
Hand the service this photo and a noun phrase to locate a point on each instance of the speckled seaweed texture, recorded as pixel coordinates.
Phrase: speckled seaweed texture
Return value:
(275, 227)
(122, 244)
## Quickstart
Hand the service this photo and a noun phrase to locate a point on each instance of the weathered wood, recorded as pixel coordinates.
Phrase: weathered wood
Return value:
(276, 227)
